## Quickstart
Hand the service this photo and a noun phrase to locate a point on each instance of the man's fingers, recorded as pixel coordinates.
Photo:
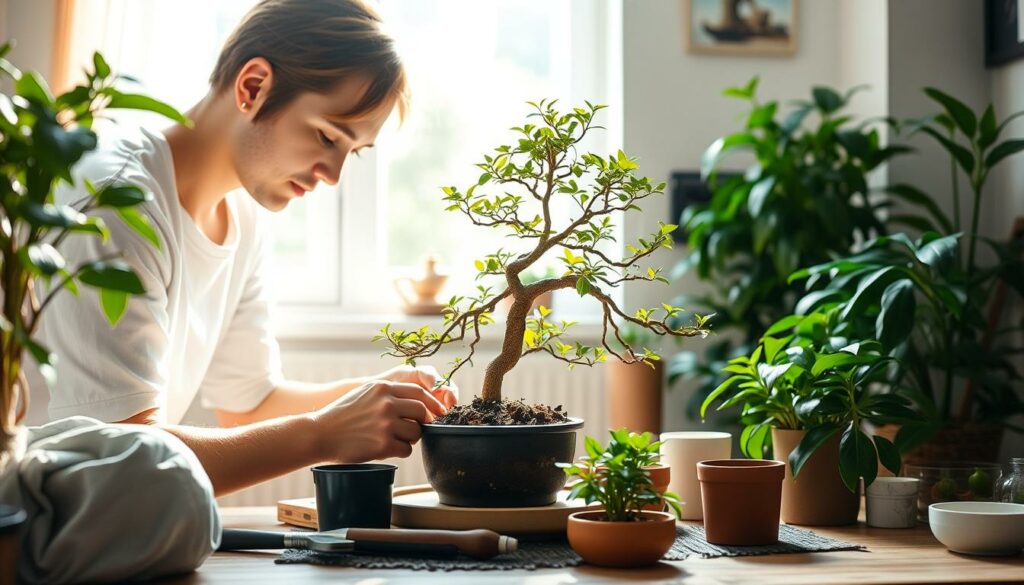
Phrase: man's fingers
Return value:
(407, 430)
(414, 410)
(414, 392)
(445, 396)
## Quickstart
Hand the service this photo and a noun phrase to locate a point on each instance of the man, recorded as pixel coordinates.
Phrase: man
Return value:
(298, 87)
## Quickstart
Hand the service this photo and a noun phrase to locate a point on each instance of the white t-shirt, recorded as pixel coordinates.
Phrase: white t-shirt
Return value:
(202, 325)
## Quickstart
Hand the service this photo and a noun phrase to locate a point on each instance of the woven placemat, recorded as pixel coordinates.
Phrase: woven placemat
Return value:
(538, 555)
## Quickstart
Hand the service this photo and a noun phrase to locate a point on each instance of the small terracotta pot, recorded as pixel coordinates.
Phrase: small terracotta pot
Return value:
(634, 395)
(818, 496)
(621, 544)
(742, 498)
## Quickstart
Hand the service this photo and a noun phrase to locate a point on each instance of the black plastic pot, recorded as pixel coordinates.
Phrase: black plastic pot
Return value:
(356, 495)
(498, 466)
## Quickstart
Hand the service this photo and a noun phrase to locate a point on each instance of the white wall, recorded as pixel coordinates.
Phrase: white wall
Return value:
(947, 53)
(30, 22)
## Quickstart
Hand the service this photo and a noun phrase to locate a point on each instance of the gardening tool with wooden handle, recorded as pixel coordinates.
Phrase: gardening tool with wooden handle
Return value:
(480, 544)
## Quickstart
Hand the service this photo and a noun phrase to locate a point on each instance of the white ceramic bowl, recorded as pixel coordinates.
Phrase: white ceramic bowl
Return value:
(978, 528)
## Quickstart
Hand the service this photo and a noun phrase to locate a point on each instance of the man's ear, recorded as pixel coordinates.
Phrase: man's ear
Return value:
(252, 85)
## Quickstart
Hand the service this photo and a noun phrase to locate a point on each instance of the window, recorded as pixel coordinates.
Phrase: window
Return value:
(472, 67)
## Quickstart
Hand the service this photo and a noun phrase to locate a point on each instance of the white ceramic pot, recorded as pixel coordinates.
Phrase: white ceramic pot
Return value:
(892, 502)
(978, 528)
(682, 451)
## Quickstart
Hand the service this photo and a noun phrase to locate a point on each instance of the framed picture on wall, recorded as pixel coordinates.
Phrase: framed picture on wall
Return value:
(740, 27)
(1004, 31)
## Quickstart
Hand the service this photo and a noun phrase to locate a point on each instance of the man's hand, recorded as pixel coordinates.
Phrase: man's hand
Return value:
(380, 419)
(427, 378)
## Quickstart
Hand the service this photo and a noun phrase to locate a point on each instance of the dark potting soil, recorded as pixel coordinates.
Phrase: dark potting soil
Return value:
(505, 412)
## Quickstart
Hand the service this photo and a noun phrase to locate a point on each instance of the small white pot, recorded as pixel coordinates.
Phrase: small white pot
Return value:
(892, 502)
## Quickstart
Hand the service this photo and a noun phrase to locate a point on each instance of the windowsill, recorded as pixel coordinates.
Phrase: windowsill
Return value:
(325, 326)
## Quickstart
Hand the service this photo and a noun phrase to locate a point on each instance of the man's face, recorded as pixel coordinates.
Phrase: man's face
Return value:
(282, 158)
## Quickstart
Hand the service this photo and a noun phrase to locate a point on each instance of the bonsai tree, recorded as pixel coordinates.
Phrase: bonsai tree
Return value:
(41, 138)
(615, 476)
(520, 190)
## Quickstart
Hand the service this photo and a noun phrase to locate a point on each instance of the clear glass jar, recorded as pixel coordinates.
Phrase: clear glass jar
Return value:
(1012, 489)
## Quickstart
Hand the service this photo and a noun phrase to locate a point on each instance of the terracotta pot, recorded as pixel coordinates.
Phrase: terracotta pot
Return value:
(741, 500)
(967, 443)
(818, 496)
(621, 544)
(634, 395)
(683, 450)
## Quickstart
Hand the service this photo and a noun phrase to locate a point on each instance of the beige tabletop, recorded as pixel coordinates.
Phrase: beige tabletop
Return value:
(895, 556)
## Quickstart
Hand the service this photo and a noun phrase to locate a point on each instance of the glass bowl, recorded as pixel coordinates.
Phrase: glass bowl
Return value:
(954, 482)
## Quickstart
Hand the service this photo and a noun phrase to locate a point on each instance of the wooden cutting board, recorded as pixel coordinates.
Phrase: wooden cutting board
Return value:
(418, 507)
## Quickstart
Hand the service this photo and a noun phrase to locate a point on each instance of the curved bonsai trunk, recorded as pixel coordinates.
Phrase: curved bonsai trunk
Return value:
(511, 349)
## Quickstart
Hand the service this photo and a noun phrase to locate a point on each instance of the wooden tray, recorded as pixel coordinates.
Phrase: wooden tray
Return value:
(418, 507)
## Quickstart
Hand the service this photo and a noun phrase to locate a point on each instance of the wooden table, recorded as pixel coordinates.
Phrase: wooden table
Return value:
(895, 556)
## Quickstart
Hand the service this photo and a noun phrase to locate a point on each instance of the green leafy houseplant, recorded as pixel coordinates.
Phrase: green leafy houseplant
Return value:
(41, 138)
(926, 300)
(805, 199)
(806, 375)
(614, 476)
(521, 187)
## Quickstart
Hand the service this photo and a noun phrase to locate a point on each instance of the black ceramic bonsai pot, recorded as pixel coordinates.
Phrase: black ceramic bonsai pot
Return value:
(499, 466)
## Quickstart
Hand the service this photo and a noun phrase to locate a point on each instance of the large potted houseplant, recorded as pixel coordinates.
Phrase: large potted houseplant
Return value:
(934, 302)
(496, 452)
(806, 390)
(629, 531)
(806, 197)
(41, 139)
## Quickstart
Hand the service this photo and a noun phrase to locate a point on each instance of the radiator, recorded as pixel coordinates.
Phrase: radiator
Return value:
(580, 391)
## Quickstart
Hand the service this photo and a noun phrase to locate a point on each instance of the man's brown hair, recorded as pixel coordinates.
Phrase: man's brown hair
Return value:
(312, 45)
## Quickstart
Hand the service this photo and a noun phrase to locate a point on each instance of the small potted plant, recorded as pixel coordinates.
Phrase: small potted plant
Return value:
(628, 532)
(806, 390)
(501, 453)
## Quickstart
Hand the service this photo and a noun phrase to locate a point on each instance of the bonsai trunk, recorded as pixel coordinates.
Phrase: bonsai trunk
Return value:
(511, 349)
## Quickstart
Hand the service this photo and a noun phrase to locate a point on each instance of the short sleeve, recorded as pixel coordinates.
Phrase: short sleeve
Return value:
(111, 373)
(246, 366)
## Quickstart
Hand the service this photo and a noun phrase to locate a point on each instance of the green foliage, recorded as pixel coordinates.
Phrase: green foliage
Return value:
(615, 477)
(807, 374)
(42, 137)
(926, 301)
(520, 190)
(805, 198)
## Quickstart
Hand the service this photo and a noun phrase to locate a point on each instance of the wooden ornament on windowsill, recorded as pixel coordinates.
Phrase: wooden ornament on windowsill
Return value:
(419, 295)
